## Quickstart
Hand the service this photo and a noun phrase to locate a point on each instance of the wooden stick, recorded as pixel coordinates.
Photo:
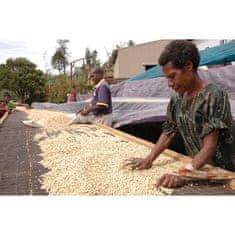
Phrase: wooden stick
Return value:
(146, 143)
(231, 184)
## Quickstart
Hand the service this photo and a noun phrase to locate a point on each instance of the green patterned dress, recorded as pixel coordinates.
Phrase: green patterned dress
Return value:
(197, 117)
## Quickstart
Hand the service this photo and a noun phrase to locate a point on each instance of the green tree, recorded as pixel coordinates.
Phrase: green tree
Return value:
(130, 43)
(88, 57)
(113, 57)
(91, 59)
(62, 85)
(108, 66)
(23, 78)
(59, 60)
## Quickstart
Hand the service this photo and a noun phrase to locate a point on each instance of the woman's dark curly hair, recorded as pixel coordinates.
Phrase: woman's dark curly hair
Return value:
(179, 53)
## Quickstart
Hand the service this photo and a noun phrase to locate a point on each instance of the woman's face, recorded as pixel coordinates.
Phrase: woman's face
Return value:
(179, 80)
(7, 99)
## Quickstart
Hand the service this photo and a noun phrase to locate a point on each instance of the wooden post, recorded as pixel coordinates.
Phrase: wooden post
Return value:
(71, 70)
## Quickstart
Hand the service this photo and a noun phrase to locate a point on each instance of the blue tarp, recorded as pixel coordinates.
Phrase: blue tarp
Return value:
(210, 56)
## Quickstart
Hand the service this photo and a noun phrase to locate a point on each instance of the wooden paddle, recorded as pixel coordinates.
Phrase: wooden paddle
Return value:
(210, 174)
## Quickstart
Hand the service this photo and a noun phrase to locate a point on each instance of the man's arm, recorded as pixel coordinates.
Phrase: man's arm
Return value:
(93, 108)
(103, 101)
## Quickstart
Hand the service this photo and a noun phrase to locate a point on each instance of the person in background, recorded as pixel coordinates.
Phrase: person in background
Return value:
(199, 111)
(100, 109)
(68, 97)
(7, 97)
(73, 95)
(3, 108)
(4, 104)
(29, 101)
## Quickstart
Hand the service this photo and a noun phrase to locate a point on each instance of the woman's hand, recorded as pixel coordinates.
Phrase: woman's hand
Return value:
(170, 181)
(138, 163)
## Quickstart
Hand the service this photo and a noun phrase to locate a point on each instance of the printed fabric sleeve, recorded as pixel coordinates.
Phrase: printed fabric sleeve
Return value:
(104, 96)
(217, 114)
(169, 126)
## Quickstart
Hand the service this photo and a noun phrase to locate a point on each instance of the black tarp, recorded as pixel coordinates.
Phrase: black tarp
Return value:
(146, 100)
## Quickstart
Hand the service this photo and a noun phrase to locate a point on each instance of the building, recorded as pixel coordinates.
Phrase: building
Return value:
(136, 59)
(139, 58)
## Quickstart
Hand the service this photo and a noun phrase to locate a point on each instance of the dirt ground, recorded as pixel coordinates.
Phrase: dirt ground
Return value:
(19, 158)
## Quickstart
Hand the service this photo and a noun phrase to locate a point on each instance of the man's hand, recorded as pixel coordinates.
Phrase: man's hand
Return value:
(170, 181)
(78, 112)
(84, 112)
(138, 163)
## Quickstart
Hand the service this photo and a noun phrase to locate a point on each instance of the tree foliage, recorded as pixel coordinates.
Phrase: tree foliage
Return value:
(59, 60)
(62, 85)
(112, 57)
(130, 43)
(91, 59)
(22, 78)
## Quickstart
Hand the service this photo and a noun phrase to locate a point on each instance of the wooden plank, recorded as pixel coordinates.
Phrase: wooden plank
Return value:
(3, 118)
(231, 184)
(146, 143)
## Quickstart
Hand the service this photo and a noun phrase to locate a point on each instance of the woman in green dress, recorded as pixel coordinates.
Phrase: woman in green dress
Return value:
(199, 112)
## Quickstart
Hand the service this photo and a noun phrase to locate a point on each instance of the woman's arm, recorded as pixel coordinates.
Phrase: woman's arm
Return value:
(163, 142)
(208, 150)
(146, 163)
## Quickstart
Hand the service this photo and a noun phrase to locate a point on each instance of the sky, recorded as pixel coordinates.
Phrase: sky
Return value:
(31, 28)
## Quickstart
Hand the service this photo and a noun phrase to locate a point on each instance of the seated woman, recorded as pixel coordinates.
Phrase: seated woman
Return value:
(3, 107)
(4, 104)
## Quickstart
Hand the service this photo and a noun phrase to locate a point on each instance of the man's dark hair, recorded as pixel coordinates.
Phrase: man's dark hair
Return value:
(99, 71)
(179, 53)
